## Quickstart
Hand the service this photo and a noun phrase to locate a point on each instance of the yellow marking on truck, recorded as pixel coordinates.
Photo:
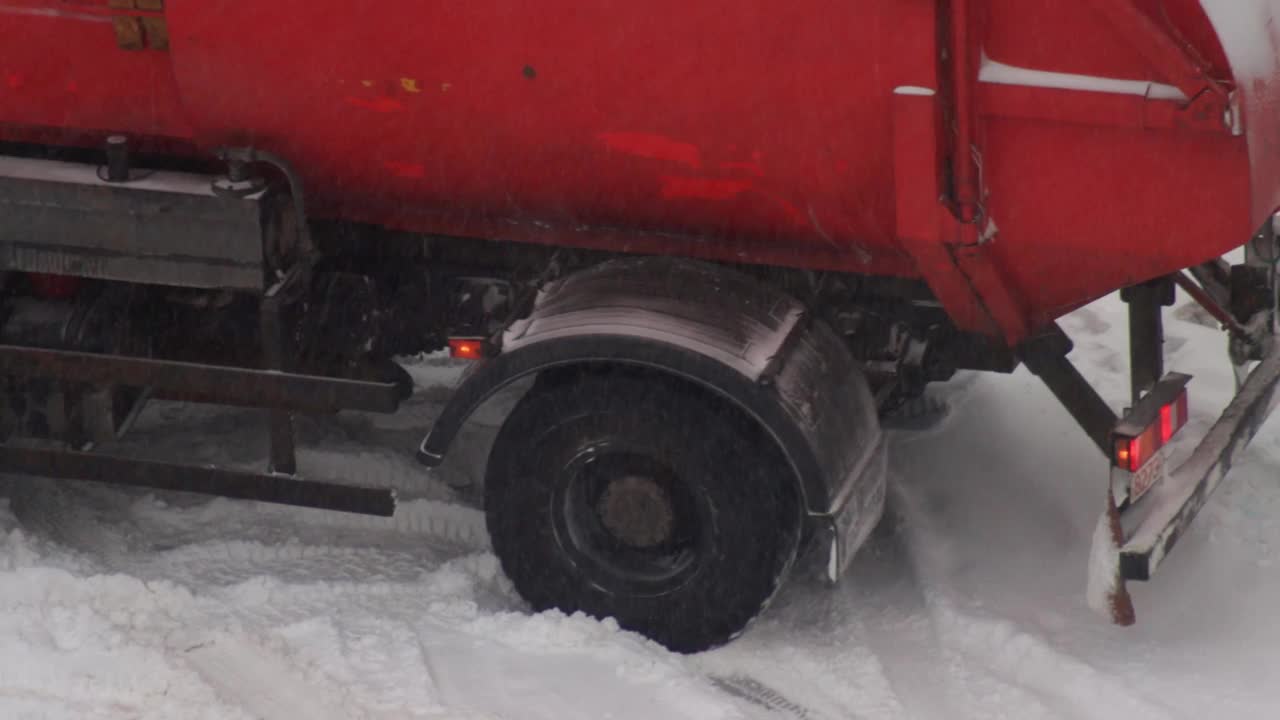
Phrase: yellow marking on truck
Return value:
(410, 85)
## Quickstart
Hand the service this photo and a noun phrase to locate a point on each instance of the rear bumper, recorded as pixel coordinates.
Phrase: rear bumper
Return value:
(1131, 544)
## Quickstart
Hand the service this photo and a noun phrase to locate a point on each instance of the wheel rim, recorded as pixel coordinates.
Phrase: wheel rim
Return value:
(630, 524)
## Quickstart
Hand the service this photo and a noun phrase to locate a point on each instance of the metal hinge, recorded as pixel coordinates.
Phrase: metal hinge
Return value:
(139, 32)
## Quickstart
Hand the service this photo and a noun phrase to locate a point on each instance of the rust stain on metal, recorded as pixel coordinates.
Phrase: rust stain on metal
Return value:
(129, 33)
(139, 32)
(1118, 600)
(157, 31)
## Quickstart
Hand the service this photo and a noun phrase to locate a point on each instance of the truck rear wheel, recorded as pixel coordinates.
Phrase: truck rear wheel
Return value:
(643, 500)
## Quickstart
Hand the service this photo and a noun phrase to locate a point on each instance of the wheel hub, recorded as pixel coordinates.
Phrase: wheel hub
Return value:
(629, 523)
(637, 511)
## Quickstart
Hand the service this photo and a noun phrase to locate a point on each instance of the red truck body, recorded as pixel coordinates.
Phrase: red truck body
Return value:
(325, 187)
(1022, 156)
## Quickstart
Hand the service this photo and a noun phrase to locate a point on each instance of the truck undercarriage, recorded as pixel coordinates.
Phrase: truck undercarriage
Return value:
(262, 307)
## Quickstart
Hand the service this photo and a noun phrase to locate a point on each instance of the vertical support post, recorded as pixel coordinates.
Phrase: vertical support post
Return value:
(276, 351)
(1146, 333)
(968, 194)
(283, 457)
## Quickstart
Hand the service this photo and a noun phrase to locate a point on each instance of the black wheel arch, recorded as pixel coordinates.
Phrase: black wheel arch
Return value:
(603, 353)
(750, 345)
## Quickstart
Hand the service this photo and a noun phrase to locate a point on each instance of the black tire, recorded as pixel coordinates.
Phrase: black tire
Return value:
(645, 500)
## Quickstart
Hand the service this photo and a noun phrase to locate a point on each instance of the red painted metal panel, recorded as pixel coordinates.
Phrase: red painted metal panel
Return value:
(1131, 205)
(60, 70)
(753, 122)
(756, 131)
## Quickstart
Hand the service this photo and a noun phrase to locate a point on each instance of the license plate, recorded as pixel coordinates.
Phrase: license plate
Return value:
(1148, 475)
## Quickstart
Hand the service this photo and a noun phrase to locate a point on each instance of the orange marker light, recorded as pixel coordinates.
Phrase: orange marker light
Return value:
(1122, 454)
(465, 348)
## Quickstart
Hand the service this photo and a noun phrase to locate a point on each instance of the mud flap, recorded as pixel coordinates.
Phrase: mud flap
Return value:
(1130, 543)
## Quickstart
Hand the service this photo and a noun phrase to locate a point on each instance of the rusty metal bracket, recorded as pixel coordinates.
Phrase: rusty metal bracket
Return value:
(278, 350)
(145, 28)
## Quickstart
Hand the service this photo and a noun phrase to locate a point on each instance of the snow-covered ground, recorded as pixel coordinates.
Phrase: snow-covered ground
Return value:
(967, 603)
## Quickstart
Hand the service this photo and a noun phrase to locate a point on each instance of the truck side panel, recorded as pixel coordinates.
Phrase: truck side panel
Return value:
(759, 132)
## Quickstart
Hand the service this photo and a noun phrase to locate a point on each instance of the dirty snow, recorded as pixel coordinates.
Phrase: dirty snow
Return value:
(968, 602)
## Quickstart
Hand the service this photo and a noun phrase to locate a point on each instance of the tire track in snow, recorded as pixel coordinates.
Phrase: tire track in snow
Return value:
(810, 656)
(997, 658)
(897, 626)
(757, 693)
(866, 649)
(1030, 662)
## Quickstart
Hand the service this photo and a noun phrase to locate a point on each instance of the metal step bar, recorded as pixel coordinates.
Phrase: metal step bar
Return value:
(262, 487)
(194, 382)
(279, 392)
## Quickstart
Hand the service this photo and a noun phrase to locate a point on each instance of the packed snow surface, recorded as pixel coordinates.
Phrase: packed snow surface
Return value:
(968, 602)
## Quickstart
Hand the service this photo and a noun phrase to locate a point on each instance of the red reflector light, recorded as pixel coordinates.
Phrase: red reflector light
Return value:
(465, 348)
(1132, 452)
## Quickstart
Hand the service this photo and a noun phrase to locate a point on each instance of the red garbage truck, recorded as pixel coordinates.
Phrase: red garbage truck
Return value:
(717, 240)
